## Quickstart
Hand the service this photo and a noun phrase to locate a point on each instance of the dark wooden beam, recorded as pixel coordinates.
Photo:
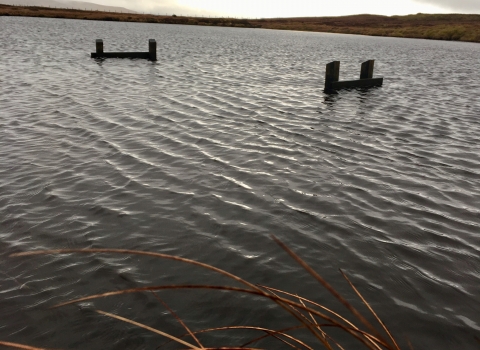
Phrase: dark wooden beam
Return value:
(333, 83)
(150, 55)
(357, 83)
(144, 55)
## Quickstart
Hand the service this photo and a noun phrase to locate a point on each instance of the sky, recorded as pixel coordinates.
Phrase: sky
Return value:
(295, 8)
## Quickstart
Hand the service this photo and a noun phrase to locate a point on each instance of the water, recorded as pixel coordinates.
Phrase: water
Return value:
(228, 139)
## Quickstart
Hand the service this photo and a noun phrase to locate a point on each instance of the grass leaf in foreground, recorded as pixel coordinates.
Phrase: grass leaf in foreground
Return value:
(148, 328)
(307, 313)
(19, 346)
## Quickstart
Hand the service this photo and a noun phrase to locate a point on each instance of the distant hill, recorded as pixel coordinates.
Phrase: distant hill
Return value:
(458, 27)
(77, 5)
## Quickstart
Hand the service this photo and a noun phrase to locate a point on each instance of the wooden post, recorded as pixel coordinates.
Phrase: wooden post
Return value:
(150, 55)
(367, 70)
(99, 46)
(152, 49)
(332, 75)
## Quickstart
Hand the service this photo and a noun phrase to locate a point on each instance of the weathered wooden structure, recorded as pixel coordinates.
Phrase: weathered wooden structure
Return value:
(150, 55)
(333, 83)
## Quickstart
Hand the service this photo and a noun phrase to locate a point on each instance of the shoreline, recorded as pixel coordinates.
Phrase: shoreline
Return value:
(451, 27)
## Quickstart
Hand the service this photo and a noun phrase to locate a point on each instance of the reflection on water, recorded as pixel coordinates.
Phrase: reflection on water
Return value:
(226, 139)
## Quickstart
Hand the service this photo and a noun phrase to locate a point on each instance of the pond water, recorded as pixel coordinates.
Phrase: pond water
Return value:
(227, 139)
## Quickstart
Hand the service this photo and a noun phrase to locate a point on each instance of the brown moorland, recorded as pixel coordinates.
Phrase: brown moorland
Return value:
(34, 11)
(458, 27)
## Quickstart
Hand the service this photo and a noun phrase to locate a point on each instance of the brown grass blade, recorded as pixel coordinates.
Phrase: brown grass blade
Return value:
(170, 257)
(313, 303)
(325, 335)
(19, 346)
(371, 339)
(307, 323)
(180, 341)
(354, 332)
(230, 348)
(371, 310)
(306, 320)
(319, 327)
(163, 256)
(328, 287)
(268, 335)
(284, 341)
(270, 332)
(310, 314)
(178, 319)
(256, 290)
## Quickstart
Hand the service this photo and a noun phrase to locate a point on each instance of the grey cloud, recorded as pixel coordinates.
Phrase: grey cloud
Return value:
(468, 6)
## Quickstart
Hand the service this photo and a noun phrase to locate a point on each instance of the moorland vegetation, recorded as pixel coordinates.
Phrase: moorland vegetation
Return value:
(457, 27)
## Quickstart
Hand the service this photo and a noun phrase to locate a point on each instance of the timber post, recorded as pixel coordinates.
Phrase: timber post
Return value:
(332, 75)
(99, 46)
(367, 69)
(150, 55)
(333, 83)
(152, 49)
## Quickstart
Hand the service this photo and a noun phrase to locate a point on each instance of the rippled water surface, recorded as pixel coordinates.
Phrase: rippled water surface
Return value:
(228, 139)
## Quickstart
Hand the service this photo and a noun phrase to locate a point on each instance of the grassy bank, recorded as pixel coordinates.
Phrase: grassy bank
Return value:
(455, 27)
(27, 11)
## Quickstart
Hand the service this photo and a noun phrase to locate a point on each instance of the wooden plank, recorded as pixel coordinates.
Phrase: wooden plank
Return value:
(143, 55)
(357, 83)
(150, 55)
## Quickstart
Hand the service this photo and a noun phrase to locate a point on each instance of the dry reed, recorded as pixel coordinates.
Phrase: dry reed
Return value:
(310, 315)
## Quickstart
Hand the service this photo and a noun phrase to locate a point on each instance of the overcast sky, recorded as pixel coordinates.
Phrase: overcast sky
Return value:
(294, 8)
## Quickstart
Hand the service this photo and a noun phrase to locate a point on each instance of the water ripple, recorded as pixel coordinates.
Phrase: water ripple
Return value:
(225, 140)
